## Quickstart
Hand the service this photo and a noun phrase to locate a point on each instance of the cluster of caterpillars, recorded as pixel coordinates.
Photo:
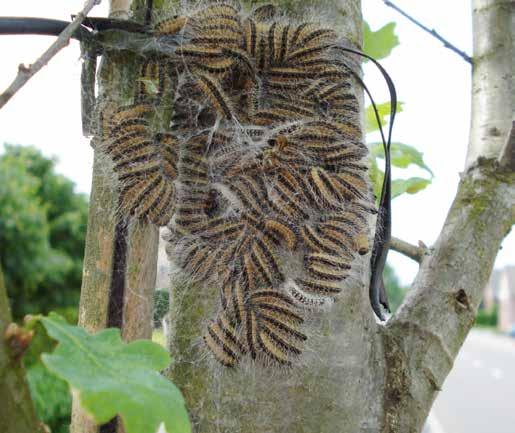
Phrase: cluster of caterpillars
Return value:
(262, 178)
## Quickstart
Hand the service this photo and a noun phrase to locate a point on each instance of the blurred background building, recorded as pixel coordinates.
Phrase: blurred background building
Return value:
(499, 295)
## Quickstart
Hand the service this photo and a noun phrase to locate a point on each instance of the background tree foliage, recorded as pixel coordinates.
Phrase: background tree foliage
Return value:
(42, 231)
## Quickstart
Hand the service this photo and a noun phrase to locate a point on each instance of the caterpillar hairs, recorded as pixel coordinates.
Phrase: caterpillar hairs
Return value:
(262, 177)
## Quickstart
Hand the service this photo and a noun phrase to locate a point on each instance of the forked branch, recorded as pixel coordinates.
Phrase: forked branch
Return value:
(428, 330)
(25, 73)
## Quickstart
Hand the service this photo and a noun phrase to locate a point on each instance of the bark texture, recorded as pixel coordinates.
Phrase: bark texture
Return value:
(120, 9)
(424, 338)
(493, 83)
(136, 262)
(17, 413)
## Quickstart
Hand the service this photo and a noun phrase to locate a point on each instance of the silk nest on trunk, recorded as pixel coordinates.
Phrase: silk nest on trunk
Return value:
(260, 175)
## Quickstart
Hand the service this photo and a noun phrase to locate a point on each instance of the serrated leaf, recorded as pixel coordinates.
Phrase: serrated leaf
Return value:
(379, 44)
(410, 186)
(402, 155)
(113, 378)
(384, 114)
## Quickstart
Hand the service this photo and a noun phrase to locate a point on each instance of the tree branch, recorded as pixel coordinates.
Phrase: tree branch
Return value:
(25, 73)
(432, 32)
(433, 322)
(441, 306)
(413, 252)
(492, 105)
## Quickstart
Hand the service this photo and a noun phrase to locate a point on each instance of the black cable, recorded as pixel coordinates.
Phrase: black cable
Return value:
(51, 27)
(38, 26)
(383, 231)
(101, 24)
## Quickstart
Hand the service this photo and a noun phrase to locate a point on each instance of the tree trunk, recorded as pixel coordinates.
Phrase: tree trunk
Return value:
(357, 375)
(338, 384)
(120, 262)
(425, 336)
(17, 413)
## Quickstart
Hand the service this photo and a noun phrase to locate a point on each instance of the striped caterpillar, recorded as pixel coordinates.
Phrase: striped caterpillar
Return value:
(145, 163)
(262, 179)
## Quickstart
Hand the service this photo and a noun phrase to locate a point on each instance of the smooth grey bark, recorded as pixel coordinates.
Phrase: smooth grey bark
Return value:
(493, 90)
(359, 376)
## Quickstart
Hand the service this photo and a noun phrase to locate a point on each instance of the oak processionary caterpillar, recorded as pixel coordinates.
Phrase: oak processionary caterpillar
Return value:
(263, 160)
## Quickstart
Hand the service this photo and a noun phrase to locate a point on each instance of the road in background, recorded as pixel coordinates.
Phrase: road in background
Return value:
(478, 396)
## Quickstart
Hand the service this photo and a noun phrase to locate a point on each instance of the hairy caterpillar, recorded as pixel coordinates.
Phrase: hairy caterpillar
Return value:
(215, 94)
(264, 12)
(145, 163)
(154, 79)
(263, 181)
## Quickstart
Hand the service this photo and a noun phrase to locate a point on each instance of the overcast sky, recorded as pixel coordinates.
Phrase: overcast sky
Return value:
(433, 83)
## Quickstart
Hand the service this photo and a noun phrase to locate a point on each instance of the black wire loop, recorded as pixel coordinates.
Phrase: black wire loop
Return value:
(383, 231)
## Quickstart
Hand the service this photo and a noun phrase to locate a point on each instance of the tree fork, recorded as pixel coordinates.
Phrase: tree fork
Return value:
(424, 337)
(432, 324)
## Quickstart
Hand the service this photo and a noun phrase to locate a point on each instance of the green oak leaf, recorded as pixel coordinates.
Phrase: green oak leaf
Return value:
(410, 186)
(113, 378)
(402, 155)
(379, 44)
(384, 114)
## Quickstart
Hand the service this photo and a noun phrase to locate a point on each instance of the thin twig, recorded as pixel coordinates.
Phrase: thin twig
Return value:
(413, 252)
(432, 32)
(25, 73)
